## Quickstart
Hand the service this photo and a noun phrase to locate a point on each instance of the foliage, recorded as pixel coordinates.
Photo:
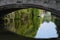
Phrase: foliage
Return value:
(25, 22)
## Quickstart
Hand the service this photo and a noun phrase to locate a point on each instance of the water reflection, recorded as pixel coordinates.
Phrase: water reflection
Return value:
(31, 22)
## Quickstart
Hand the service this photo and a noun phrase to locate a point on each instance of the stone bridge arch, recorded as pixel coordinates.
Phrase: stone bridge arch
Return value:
(12, 5)
(7, 6)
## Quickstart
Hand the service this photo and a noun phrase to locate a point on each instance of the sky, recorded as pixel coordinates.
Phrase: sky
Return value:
(47, 30)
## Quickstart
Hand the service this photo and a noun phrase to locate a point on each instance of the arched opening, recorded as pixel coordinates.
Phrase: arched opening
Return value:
(27, 20)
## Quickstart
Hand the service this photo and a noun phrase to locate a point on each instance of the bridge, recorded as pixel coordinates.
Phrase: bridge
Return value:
(11, 5)
(7, 6)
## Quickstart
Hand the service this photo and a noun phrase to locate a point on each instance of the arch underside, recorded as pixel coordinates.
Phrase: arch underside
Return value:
(13, 5)
(5, 9)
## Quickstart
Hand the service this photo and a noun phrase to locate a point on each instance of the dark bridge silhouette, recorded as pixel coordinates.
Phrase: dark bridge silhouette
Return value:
(7, 6)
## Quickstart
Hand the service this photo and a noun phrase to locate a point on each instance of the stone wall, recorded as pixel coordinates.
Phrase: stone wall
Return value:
(45, 3)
